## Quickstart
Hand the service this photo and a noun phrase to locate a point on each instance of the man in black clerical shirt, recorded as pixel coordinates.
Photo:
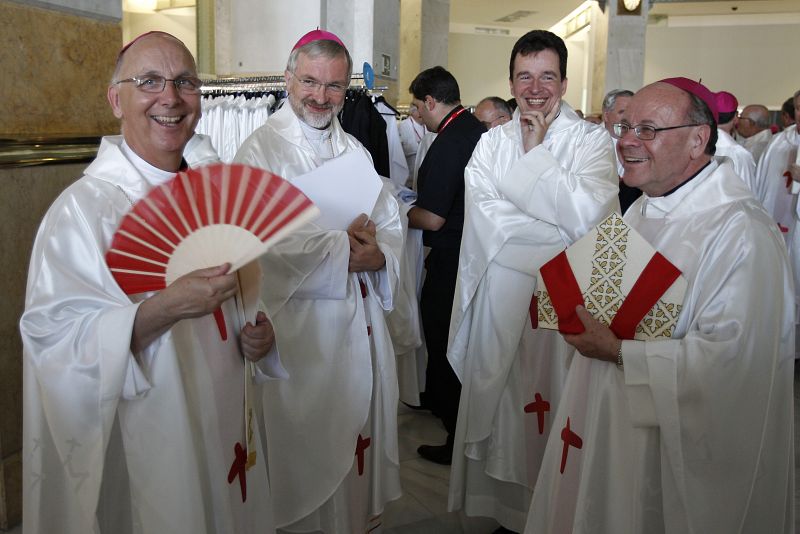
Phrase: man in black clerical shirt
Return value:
(439, 212)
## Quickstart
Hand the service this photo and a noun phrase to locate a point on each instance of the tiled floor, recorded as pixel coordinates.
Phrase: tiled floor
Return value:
(423, 507)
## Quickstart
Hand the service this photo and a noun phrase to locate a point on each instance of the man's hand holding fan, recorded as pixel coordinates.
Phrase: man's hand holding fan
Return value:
(188, 239)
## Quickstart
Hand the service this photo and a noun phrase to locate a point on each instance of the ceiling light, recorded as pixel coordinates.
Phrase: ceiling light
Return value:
(492, 31)
(515, 16)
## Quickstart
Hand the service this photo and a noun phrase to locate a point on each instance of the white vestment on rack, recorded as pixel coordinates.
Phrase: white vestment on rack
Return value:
(695, 434)
(398, 168)
(743, 163)
(337, 349)
(521, 210)
(405, 322)
(229, 120)
(115, 442)
(411, 134)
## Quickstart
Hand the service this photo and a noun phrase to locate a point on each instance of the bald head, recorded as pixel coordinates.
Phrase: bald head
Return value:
(148, 37)
(753, 119)
(155, 94)
(492, 111)
(679, 148)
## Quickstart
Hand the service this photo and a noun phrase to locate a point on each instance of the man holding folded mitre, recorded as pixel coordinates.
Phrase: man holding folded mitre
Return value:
(693, 433)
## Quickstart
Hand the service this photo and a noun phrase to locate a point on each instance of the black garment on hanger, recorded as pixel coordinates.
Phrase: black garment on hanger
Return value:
(360, 119)
(379, 99)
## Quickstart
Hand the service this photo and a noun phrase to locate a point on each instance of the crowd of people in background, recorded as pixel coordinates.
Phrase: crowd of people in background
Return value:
(132, 404)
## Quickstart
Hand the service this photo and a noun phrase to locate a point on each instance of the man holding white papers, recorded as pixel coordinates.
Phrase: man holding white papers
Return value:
(692, 433)
(133, 408)
(533, 186)
(333, 439)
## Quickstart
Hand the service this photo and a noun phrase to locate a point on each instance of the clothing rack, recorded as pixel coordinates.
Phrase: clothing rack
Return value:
(267, 84)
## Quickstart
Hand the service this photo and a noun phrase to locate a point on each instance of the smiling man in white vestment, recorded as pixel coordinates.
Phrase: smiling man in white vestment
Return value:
(133, 406)
(533, 186)
(334, 454)
(692, 434)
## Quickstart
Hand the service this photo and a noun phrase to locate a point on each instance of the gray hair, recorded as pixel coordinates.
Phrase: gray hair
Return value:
(611, 98)
(321, 48)
(700, 113)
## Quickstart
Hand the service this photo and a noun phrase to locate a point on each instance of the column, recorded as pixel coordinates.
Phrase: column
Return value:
(424, 31)
(619, 43)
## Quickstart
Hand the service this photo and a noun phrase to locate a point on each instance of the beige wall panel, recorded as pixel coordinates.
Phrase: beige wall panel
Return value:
(755, 63)
(27, 193)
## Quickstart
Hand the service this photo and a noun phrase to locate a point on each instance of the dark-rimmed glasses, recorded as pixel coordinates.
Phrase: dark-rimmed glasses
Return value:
(155, 84)
(642, 131)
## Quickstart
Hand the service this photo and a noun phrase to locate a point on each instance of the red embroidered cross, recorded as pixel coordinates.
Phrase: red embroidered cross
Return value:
(361, 446)
(569, 438)
(540, 406)
(239, 469)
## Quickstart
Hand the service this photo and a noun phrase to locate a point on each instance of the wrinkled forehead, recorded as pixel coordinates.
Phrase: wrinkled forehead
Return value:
(332, 66)
(660, 104)
(159, 54)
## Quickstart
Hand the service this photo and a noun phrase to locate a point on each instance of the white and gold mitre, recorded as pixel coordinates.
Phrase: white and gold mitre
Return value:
(620, 279)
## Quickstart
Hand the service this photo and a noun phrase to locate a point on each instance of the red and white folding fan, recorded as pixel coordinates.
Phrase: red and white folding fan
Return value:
(202, 218)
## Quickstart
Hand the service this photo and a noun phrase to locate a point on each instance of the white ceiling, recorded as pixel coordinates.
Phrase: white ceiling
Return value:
(485, 13)
(546, 13)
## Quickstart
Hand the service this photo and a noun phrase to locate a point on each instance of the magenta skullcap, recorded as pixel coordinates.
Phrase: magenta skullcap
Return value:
(697, 89)
(317, 35)
(726, 102)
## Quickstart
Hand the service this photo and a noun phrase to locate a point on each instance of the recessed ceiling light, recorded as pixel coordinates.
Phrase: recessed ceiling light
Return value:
(492, 31)
(515, 16)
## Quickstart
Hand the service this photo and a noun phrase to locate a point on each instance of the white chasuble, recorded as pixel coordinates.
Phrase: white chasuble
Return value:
(339, 406)
(521, 210)
(695, 433)
(115, 442)
(743, 163)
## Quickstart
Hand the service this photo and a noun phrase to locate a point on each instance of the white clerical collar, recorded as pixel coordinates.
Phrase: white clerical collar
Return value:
(320, 140)
(153, 175)
(660, 207)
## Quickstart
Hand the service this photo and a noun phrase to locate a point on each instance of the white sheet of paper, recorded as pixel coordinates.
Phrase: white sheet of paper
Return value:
(342, 188)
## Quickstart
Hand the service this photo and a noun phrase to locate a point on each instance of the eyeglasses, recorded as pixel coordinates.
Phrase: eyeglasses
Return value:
(643, 131)
(156, 84)
(313, 85)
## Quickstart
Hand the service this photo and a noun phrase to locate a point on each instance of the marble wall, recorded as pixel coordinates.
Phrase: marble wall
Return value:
(56, 58)
(55, 70)
(26, 194)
